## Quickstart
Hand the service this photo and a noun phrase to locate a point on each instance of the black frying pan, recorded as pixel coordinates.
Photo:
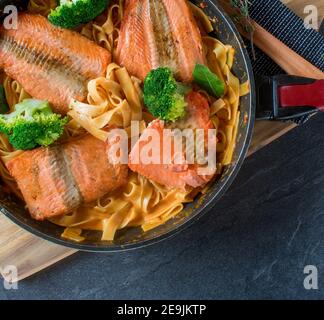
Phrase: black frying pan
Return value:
(135, 238)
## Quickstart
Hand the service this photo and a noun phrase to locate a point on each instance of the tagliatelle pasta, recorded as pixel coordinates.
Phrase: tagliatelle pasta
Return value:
(15, 93)
(139, 203)
(115, 100)
(42, 7)
(225, 112)
(105, 29)
(6, 154)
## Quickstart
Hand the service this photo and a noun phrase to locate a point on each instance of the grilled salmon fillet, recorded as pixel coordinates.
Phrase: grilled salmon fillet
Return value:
(174, 175)
(56, 180)
(159, 33)
(51, 63)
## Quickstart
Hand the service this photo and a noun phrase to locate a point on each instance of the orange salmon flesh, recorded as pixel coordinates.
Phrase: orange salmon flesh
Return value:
(159, 33)
(51, 63)
(175, 175)
(57, 180)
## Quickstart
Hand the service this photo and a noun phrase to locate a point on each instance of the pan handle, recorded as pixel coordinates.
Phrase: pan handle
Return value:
(288, 98)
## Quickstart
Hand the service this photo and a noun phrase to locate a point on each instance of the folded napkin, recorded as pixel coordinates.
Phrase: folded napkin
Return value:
(289, 28)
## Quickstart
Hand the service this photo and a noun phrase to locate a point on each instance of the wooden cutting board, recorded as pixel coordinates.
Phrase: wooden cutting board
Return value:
(31, 254)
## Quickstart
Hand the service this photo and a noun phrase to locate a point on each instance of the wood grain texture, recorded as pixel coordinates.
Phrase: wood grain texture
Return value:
(284, 57)
(31, 254)
(298, 6)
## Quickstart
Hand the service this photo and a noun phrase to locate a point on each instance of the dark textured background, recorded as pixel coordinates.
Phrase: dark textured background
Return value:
(255, 243)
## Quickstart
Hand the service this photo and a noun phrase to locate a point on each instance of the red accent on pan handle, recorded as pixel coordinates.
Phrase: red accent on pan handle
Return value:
(302, 95)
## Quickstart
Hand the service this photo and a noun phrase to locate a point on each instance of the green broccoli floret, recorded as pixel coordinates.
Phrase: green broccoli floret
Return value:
(32, 124)
(72, 13)
(164, 96)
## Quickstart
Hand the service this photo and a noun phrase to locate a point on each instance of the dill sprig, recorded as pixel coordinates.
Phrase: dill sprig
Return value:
(243, 18)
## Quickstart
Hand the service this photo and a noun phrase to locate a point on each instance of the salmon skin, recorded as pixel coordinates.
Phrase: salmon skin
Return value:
(175, 175)
(57, 180)
(51, 63)
(159, 33)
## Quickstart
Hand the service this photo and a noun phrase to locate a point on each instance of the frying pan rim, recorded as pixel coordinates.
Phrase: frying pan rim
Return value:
(198, 212)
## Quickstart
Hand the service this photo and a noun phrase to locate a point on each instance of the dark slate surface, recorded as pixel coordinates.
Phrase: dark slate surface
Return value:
(254, 244)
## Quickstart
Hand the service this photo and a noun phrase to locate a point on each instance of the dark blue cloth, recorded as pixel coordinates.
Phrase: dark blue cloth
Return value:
(289, 28)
